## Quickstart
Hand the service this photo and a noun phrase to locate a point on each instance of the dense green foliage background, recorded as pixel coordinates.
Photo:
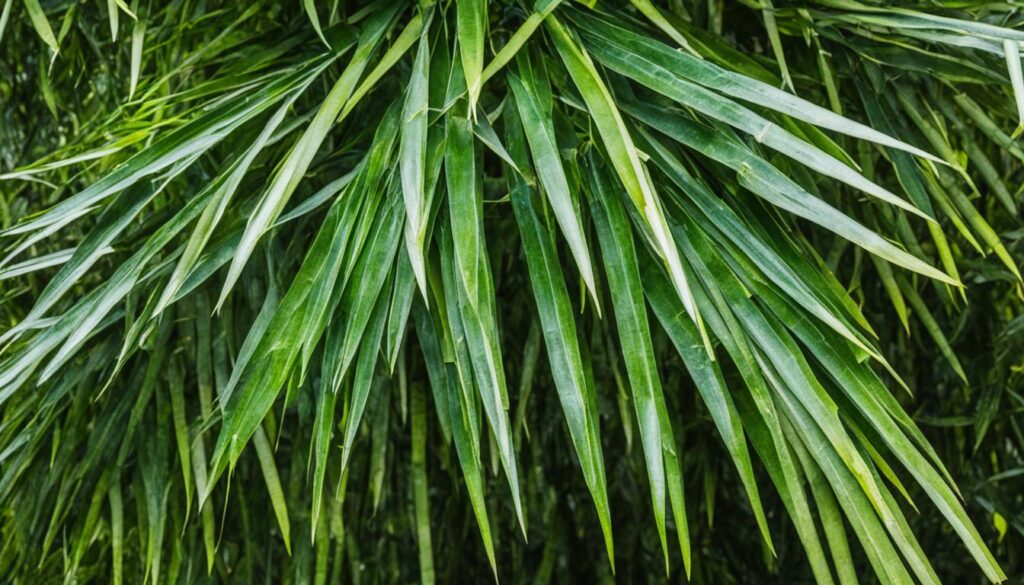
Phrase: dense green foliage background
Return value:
(376, 292)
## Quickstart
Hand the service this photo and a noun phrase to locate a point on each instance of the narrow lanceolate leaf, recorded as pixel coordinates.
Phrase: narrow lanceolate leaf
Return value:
(621, 267)
(369, 248)
(177, 391)
(832, 522)
(110, 224)
(462, 399)
(771, 25)
(222, 190)
(472, 30)
(761, 421)
(651, 12)
(265, 454)
(710, 383)
(1012, 51)
(405, 40)
(323, 430)
(547, 165)
(519, 38)
(4, 17)
(365, 327)
(625, 159)
(768, 182)
(42, 262)
(660, 78)
(413, 161)
(430, 346)
(41, 24)
(363, 309)
(925, 317)
(887, 417)
(314, 19)
(904, 17)
(476, 324)
(398, 314)
(798, 281)
(294, 166)
(788, 371)
(138, 38)
(363, 381)
(465, 205)
(275, 348)
(575, 393)
(115, 18)
(460, 415)
(668, 65)
(185, 143)
(154, 470)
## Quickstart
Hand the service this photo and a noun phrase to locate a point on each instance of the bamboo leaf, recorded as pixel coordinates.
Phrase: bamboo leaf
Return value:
(41, 24)
(625, 159)
(472, 28)
(575, 392)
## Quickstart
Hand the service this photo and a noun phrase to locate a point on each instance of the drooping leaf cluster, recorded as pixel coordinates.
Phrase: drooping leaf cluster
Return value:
(393, 291)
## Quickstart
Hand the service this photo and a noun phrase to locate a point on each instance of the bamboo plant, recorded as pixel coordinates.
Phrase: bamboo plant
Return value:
(553, 291)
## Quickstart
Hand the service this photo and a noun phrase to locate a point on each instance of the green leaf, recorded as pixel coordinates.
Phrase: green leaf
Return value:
(465, 205)
(182, 145)
(291, 171)
(710, 384)
(540, 135)
(472, 29)
(621, 267)
(40, 23)
(768, 182)
(625, 159)
(220, 194)
(681, 77)
(138, 39)
(314, 19)
(275, 347)
(575, 393)
(277, 498)
(474, 329)
(518, 39)
(413, 157)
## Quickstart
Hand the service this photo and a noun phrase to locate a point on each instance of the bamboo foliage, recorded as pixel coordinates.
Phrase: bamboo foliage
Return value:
(387, 291)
